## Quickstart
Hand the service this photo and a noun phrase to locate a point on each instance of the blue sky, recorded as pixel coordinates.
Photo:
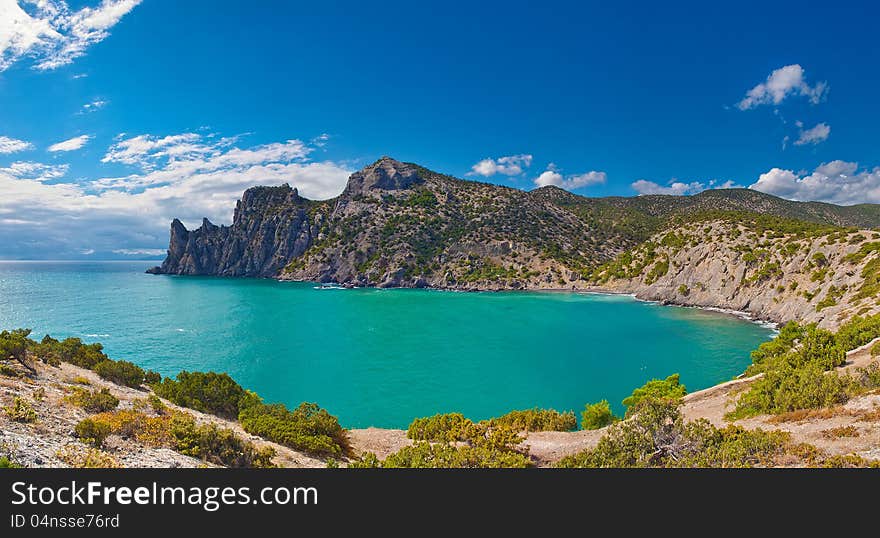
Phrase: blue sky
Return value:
(118, 115)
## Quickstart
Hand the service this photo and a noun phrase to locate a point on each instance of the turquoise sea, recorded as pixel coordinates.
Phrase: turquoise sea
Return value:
(379, 357)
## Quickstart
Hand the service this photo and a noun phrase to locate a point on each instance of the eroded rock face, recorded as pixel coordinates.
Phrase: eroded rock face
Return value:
(271, 226)
(385, 174)
(822, 278)
(399, 225)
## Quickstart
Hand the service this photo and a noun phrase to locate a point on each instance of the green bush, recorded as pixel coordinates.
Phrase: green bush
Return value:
(446, 428)
(441, 455)
(94, 401)
(14, 344)
(21, 411)
(156, 404)
(208, 392)
(308, 427)
(151, 377)
(858, 331)
(6, 463)
(537, 420)
(597, 415)
(656, 389)
(656, 435)
(796, 363)
(767, 352)
(92, 432)
(120, 372)
(220, 446)
(790, 388)
(73, 351)
(368, 460)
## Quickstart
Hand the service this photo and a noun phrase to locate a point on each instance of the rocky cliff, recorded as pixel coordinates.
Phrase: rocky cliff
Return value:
(399, 224)
(271, 226)
(806, 274)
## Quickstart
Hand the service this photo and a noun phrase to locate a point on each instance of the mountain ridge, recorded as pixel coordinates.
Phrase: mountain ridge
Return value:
(401, 225)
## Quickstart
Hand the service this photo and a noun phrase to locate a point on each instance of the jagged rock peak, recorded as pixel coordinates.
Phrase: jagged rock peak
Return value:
(384, 174)
(270, 195)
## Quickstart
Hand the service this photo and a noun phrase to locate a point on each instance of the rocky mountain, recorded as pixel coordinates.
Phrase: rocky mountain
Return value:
(798, 272)
(271, 226)
(399, 224)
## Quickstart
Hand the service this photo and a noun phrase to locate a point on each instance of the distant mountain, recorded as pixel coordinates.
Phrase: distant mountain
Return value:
(399, 224)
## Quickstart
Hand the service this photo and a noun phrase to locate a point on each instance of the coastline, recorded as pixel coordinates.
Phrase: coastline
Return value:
(590, 290)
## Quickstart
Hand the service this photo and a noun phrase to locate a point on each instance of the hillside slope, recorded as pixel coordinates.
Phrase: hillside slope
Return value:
(399, 224)
(802, 273)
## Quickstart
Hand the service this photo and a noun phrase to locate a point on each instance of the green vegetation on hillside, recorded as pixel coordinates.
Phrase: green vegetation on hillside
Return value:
(655, 389)
(597, 415)
(797, 368)
(656, 435)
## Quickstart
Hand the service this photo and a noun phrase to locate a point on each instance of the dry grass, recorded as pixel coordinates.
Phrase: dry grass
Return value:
(842, 431)
(87, 458)
(870, 416)
(810, 414)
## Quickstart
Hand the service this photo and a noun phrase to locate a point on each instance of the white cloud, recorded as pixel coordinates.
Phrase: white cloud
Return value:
(815, 135)
(781, 83)
(93, 106)
(35, 171)
(71, 144)
(551, 176)
(143, 150)
(140, 251)
(838, 182)
(60, 219)
(679, 188)
(13, 145)
(51, 33)
(511, 165)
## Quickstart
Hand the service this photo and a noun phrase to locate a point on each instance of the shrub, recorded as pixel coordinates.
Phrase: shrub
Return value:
(796, 362)
(367, 460)
(842, 431)
(868, 377)
(597, 415)
(537, 420)
(656, 389)
(441, 455)
(90, 458)
(120, 372)
(130, 424)
(308, 427)
(156, 404)
(21, 411)
(858, 331)
(152, 377)
(657, 436)
(208, 392)
(6, 463)
(791, 388)
(92, 432)
(220, 446)
(875, 350)
(94, 401)
(447, 428)
(73, 351)
(790, 333)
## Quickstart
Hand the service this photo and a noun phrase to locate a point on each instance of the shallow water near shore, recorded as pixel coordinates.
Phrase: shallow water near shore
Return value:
(380, 357)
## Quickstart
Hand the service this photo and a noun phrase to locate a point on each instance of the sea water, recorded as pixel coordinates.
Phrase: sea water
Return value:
(379, 357)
